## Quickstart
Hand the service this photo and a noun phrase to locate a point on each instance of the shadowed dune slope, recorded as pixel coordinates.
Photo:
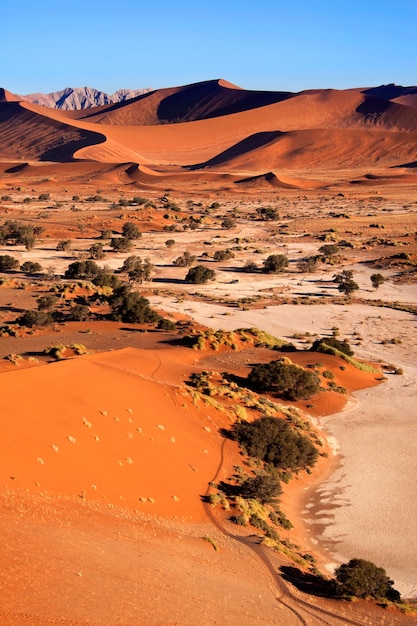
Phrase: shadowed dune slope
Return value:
(27, 135)
(184, 104)
(317, 148)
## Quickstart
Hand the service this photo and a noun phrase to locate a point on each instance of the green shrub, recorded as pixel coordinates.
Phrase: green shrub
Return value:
(185, 260)
(321, 345)
(287, 380)
(166, 324)
(30, 267)
(131, 231)
(129, 306)
(200, 274)
(275, 263)
(274, 441)
(264, 487)
(363, 579)
(223, 255)
(84, 270)
(34, 318)
(8, 262)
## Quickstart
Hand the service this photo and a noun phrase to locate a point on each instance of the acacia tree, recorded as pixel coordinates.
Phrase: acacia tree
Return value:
(200, 274)
(275, 263)
(345, 282)
(363, 579)
(377, 280)
(274, 441)
(131, 231)
(286, 379)
(265, 487)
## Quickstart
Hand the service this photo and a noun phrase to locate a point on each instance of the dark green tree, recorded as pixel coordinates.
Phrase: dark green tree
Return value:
(129, 306)
(274, 441)
(285, 379)
(377, 280)
(121, 244)
(31, 267)
(275, 263)
(363, 579)
(265, 487)
(345, 283)
(84, 270)
(8, 262)
(200, 274)
(131, 231)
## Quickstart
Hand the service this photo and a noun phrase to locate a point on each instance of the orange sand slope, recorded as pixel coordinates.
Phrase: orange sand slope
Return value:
(216, 125)
(106, 428)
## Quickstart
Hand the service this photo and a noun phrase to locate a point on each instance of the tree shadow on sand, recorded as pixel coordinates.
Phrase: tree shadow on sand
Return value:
(313, 584)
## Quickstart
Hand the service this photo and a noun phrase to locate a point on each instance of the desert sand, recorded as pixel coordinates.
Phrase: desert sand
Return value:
(106, 456)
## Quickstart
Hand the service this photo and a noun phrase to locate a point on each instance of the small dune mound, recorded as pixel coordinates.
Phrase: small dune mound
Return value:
(268, 179)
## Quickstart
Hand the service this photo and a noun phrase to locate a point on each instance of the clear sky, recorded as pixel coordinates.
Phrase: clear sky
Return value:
(262, 44)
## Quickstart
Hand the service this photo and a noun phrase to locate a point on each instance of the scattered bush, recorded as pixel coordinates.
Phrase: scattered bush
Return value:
(200, 274)
(78, 313)
(275, 263)
(265, 487)
(320, 345)
(106, 280)
(223, 255)
(46, 303)
(250, 267)
(131, 231)
(228, 223)
(8, 262)
(185, 260)
(64, 245)
(377, 280)
(363, 579)
(121, 244)
(129, 306)
(287, 380)
(84, 270)
(274, 441)
(267, 213)
(166, 324)
(34, 318)
(96, 251)
(345, 283)
(16, 233)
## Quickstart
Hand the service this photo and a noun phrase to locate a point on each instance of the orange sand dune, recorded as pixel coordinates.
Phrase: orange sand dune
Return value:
(28, 135)
(7, 96)
(122, 433)
(183, 104)
(319, 148)
(219, 125)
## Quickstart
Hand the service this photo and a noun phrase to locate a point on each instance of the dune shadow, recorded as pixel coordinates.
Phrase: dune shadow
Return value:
(258, 140)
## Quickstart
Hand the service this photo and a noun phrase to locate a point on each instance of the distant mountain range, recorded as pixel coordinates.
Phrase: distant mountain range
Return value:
(75, 98)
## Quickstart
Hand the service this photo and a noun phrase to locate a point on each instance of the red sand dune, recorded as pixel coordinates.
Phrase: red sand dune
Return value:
(116, 434)
(217, 126)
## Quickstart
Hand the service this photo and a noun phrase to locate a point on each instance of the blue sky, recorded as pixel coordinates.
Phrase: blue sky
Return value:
(265, 44)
